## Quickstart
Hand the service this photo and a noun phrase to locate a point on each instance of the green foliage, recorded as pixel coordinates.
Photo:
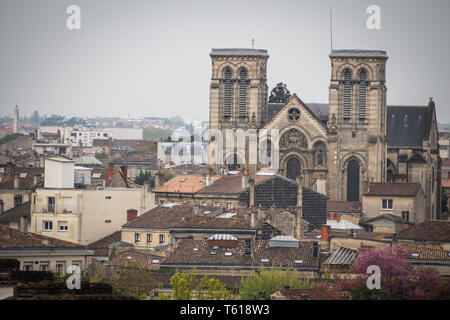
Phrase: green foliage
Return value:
(155, 134)
(259, 285)
(184, 284)
(101, 155)
(9, 137)
(279, 94)
(168, 176)
(142, 177)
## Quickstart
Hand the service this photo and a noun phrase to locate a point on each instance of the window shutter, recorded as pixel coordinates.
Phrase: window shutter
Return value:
(347, 94)
(362, 94)
(243, 94)
(227, 98)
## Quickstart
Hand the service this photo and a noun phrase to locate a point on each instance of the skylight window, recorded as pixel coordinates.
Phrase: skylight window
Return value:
(228, 254)
(414, 254)
(298, 261)
(195, 249)
(213, 253)
(264, 260)
(129, 257)
(155, 261)
(23, 175)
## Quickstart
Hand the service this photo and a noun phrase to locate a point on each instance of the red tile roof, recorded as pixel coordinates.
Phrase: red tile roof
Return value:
(14, 239)
(312, 294)
(101, 246)
(420, 252)
(184, 184)
(344, 206)
(434, 230)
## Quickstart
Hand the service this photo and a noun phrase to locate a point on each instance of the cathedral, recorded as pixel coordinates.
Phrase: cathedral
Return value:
(335, 148)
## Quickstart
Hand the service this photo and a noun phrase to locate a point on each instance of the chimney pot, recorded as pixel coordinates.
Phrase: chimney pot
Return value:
(325, 233)
(16, 182)
(131, 214)
(110, 170)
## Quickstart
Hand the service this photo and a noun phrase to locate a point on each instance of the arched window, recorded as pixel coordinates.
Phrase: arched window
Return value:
(227, 96)
(243, 93)
(362, 94)
(347, 93)
(293, 167)
(353, 180)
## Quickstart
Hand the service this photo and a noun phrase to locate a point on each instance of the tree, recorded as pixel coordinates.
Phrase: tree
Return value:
(141, 178)
(184, 284)
(399, 280)
(101, 155)
(259, 285)
(279, 94)
(168, 176)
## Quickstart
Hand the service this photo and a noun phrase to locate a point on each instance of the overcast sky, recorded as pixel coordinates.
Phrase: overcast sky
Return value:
(151, 57)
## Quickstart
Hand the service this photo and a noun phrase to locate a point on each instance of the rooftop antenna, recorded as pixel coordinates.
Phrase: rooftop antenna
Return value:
(253, 43)
(331, 27)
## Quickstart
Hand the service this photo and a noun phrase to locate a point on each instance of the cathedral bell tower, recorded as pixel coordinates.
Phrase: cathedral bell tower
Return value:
(238, 98)
(357, 121)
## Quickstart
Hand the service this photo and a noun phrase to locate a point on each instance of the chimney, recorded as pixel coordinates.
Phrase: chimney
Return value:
(252, 219)
(196, 210)
(16, 182)
(131, 214)
(325, 237)
(124, 170)
(23, 224)
(110, 170)
(298, 225)
(245, 178)
(159, 179)
(251, 184)
(109, 147)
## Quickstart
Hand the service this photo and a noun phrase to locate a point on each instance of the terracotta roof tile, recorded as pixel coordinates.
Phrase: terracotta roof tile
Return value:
(344, 206)
(101, 246)
(129, 257)
(434, 230)
(14, 239)
(185, 184)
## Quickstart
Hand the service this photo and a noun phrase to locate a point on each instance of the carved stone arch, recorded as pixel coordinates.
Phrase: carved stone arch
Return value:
(293, 138)
(340, 71)
(391, 170)
(369, 71)
(344, 161)
(288, 161)
(347, 171)
(246, 66)
(221, 70)
(298, 128)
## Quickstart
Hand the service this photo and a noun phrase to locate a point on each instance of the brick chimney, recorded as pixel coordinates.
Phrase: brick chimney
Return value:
(131, 214)
(110, 170)
(325, 237)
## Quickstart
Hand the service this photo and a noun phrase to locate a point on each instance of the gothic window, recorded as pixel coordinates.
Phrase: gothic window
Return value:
(243, 93)
(227, 95)
(319, 154)
(353, 180)
(347, 93)
(362, 94)
(294, 114)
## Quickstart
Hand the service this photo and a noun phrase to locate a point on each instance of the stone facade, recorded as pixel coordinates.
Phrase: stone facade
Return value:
(336, 151)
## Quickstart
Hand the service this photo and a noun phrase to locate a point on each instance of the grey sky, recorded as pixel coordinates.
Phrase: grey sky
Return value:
(151, 58)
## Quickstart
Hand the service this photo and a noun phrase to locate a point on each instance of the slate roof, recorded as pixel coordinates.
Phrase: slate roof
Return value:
(239, 52)
(14, 214)
(358, 53)
(392, 189)
(406, 126)
(184, 254)
(181, 216)
(26, 182)
(14, 239)
(130, 257)
(342, 256)
(101, 246)
(433, 230)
